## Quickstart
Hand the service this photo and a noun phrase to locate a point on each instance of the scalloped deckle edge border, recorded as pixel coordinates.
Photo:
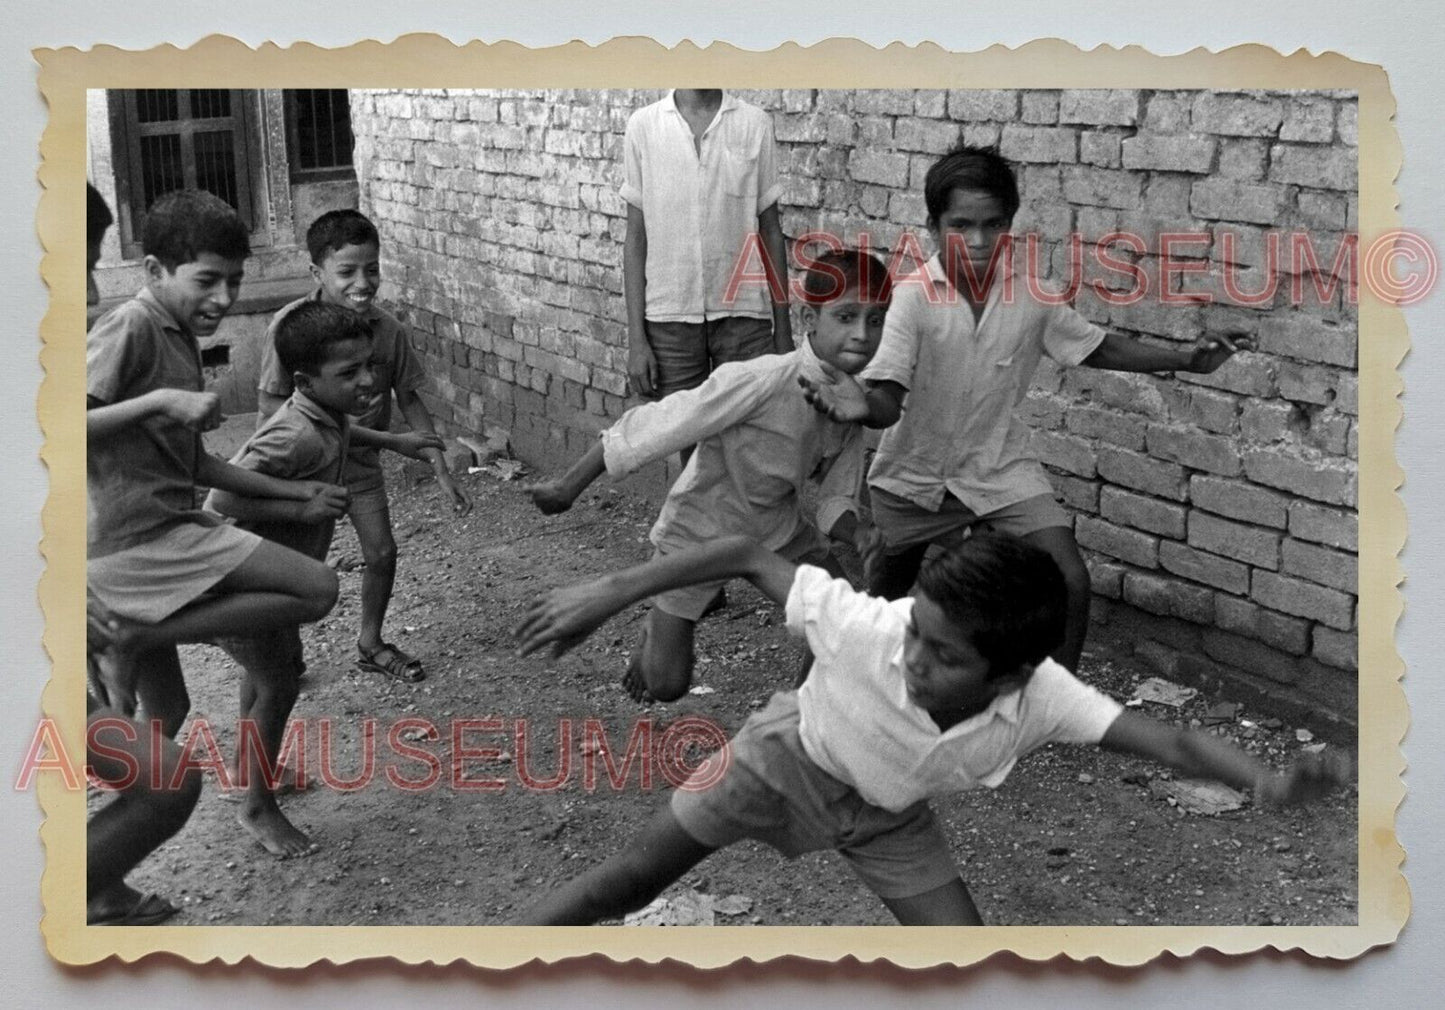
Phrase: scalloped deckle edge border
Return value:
(431, 61)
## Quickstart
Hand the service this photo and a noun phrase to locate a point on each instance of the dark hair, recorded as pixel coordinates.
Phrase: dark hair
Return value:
(180, 226)
(306, 335)
(1009, 594)
(338, 228)
(966, 167)
(97, 215)
(835, 273)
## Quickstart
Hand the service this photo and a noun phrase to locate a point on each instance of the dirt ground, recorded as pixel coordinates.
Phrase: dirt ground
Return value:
(1074, 837)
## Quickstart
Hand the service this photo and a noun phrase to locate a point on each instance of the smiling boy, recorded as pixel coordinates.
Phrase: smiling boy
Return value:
(345, 250)
(961, 345)
(758, 444)
(907, 700)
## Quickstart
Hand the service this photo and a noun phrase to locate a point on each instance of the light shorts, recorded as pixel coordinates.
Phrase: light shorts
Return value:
(771, 791)
(807, 547)
(905, 524)
(687, 353)
(151, 581)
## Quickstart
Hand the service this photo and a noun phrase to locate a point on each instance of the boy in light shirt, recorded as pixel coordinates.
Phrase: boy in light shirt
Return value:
(907, 700)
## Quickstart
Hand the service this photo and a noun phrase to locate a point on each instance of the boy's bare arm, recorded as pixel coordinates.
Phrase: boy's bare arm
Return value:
(557, 495)
(770, 227)
(222, 476)
(416, 414)
(413, 444)
(330, 504)
(197, 411)
(566, 616)
(641, 362)
(1206, 756)
(1122, 354)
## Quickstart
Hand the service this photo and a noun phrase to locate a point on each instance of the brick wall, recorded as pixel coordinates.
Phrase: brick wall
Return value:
(1217, 512)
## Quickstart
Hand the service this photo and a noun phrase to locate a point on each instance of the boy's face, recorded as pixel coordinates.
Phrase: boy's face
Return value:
(343, 383)
(845, 332)
(969, 228)
(350, 276)
(198, 293)
(942, 669)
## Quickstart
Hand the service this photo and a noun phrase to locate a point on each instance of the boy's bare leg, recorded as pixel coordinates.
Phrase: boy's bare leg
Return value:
(138, 820)
(378, 550)
(1059, 542)
(272, 587)
(897, 572)
(273, 694)
(627, 881)
(948, 905)
(662, 661)
(146, 685)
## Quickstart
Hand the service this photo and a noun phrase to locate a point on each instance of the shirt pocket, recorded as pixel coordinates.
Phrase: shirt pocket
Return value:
(738, 174)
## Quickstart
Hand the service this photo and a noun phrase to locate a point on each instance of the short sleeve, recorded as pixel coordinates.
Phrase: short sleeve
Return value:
(407, 374)
(1066, 709)
(898, 350)
(769, 188)
(272, 378)
(830, 614)
(632, 161)
(278, 451)
(1069, 338)
(109, 358)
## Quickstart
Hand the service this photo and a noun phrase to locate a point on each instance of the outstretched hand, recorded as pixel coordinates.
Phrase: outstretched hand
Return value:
(416, 444)
(461, 502)
(1313, 776)
(839, 396)
(565, 617)
(550, 496)
(1209, 353)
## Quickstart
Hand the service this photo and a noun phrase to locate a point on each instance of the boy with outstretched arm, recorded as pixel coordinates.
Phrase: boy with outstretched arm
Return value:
(758, 443)
(907, 700)
(167, 571)
(345, 250)
(327, 350)
(963, 339)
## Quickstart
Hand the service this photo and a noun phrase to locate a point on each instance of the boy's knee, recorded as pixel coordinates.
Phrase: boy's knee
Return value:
(319, 591)
(379, 553)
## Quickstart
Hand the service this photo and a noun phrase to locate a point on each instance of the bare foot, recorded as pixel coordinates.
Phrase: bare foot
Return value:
(277, 835)
(633, 682)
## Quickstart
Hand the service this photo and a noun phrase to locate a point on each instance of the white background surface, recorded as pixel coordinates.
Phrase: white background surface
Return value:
(1407, 38)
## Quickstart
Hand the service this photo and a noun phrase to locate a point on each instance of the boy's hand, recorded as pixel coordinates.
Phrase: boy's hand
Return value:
(326, 501)
(461, 501)
(565, 617)
(840, 396)
(198, 411)
(868, 542)
(1313, 776)
(101, 626)
(550, 496)
(416, 444)
(642, 368)
(1209, 353)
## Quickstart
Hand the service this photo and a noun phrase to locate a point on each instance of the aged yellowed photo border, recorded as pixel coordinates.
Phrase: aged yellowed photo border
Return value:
(429, 61)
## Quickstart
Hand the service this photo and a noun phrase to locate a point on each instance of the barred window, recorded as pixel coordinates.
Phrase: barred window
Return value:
(181, 138)
(318, 133)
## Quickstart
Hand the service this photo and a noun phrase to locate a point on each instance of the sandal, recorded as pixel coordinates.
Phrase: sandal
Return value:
(148, 910)
(400, 666)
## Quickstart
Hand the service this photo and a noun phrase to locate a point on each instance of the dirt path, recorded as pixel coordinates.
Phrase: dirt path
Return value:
(1074, 837)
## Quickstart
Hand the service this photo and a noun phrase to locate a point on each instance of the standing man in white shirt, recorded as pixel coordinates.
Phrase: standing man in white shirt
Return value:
(701, 185)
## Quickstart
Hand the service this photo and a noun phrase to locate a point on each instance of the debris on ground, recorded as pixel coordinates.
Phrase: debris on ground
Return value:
(1164, 692)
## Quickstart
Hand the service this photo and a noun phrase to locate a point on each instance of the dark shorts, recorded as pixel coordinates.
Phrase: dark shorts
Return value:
(764, 786)
(687, 353)
(905, 524)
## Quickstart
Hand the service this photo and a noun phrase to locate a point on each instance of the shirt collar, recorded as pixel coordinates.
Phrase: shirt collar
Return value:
(729, 103)
(309, 408)
(1013, 264)
(151, 302)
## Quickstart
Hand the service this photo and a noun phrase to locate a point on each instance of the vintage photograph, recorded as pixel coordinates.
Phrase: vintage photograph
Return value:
(723, 506)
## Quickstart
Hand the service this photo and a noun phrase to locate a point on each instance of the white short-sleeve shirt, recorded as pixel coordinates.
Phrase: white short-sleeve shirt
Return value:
(959, 431)
(859, 725)
(701, 207)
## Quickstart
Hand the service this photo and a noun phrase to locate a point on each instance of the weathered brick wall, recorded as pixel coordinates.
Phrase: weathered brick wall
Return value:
(1217, 512)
